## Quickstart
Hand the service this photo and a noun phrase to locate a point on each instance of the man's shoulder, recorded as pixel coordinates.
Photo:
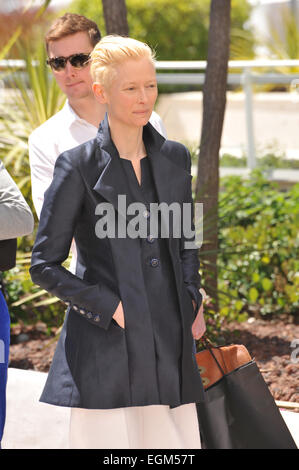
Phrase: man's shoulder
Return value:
(53, 124)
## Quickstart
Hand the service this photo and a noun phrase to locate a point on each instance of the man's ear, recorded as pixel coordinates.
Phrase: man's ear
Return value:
(99, 92)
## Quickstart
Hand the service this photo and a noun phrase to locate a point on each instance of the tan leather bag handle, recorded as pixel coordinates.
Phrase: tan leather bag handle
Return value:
(208, 345)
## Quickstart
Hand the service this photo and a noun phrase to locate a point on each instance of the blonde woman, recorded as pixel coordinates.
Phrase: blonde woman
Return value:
(124, 362)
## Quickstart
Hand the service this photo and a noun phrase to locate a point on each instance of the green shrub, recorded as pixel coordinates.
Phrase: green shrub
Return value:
(258, 242)
(27, 302)
(176, 30)
(267, 161)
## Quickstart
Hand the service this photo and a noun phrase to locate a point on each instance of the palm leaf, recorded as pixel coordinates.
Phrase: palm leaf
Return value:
(44, 303)
(28, 298)
(5, 50)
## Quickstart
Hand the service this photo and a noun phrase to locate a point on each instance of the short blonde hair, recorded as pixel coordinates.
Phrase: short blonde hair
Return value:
(113, 50)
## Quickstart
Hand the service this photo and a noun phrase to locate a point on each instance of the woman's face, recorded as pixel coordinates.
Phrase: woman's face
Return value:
(132, 94)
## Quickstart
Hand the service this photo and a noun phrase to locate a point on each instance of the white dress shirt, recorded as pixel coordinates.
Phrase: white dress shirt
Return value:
(63, 131)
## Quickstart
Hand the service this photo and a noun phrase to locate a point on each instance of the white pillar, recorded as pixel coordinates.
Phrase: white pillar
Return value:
(246, 81)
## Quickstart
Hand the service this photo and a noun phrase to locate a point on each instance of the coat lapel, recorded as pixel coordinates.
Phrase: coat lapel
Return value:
(112, 181)
(170, 179)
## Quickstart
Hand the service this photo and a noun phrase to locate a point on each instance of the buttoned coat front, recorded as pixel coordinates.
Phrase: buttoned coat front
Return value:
(97, 364)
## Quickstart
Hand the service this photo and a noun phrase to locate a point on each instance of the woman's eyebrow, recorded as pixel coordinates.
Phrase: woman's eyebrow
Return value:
(129, 83)
(135, 82)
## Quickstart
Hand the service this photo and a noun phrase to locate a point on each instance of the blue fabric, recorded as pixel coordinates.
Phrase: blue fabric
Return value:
(4, 355)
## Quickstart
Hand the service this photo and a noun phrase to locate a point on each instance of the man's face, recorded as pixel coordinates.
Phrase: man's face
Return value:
(75, 83)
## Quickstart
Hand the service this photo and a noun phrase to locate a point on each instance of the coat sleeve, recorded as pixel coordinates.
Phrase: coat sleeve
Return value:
(15, 215)
(62, 206)
(189, 256)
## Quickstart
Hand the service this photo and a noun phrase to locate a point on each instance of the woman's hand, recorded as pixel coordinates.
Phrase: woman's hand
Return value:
(199, 324)
(119, 315)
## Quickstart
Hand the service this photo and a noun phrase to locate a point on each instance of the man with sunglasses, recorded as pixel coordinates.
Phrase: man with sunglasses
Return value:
(69, 42)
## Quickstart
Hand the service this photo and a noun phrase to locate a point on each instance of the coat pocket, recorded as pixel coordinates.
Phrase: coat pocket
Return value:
(189, 311)
(116, 325)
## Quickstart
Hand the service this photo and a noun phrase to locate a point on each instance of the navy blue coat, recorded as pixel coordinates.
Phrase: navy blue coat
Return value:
(97, 364)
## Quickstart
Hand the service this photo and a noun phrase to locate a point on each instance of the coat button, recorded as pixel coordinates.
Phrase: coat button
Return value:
(146, 214)
(82, 311)
(89, 315)
(150, 239)
(76, 308)
(154, 262)
(97, 318)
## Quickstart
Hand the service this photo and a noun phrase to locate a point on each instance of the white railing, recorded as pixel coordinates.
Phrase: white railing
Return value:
(247, 73)
(246, 77)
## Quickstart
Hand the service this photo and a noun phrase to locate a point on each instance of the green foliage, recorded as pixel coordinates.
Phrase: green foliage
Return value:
(258, 266)
(26, 301)
(269, 159)
(258, 248)
(176, 30)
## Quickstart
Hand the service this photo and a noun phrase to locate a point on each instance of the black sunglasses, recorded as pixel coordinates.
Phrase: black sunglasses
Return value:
(76, 60)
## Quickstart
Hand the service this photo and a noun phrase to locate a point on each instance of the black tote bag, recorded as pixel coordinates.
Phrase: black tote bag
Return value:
(239, 412)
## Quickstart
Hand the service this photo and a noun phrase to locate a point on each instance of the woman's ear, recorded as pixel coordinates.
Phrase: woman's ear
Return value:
(99, 92)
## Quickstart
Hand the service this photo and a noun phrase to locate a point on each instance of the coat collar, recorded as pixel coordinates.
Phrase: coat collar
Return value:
(170, 179)
(152, 138)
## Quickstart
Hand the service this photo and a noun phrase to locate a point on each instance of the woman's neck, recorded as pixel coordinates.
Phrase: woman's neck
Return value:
(127, 140)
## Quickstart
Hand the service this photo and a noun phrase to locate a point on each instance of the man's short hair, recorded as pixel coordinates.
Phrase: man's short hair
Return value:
(71, 23)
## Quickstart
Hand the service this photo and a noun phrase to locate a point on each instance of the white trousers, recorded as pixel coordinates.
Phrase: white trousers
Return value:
(140, 427)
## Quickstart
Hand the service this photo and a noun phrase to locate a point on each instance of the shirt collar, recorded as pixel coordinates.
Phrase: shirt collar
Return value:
(72, 116)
